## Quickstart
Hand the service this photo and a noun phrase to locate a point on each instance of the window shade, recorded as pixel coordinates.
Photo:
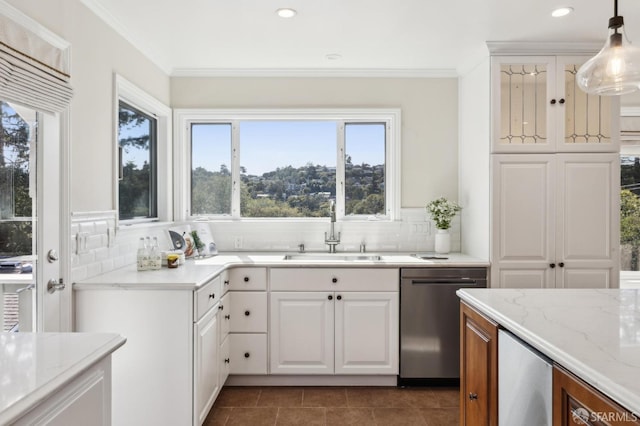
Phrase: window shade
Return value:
(32, 71)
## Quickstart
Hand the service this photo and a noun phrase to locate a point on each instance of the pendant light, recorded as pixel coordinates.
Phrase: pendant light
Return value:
(615, 70)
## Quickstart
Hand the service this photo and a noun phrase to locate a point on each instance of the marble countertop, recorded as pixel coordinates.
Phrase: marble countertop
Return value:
(33, 366)
(593, 333)
(197, 272)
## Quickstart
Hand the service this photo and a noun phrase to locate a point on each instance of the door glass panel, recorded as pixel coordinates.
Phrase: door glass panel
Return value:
(17, 218)
(523, 93)
(587, 117)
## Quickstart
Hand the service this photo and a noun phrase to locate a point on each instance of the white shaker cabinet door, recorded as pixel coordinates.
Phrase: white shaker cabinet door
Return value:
(523, 220)
(366, 333)
(588, 213)
(301, 333)
(205, 369)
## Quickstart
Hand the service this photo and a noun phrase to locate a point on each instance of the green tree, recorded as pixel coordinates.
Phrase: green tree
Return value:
(15, 201)
(630, 224)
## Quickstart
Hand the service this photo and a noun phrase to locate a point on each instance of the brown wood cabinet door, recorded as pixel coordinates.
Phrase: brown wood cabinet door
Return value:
(575, 403)
(478, 369)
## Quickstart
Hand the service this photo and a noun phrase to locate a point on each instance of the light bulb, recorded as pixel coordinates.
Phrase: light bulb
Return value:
(616, 66)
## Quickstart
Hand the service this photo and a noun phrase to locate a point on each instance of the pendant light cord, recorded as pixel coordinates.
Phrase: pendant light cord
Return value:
(615, 8)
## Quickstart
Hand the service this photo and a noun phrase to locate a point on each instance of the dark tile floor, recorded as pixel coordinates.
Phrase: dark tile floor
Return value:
(254, 406)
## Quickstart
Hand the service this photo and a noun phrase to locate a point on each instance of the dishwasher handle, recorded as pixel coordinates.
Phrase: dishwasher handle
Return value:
(468, 281)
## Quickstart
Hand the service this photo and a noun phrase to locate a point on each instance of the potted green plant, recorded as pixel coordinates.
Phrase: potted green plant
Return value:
(442, 212)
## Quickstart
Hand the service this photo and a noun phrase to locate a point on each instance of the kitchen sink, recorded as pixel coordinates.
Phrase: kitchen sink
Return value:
(429, 257)
(332, 257)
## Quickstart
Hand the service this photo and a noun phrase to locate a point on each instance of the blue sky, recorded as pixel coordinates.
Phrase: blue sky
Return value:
(266, 145)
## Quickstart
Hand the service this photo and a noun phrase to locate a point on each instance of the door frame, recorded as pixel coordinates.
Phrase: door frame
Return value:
(53, 310)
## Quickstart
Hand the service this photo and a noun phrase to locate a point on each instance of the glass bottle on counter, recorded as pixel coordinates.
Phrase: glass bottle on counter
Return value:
(154, 254)
(142, 255)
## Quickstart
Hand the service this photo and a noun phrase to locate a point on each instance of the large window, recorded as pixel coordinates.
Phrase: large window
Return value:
(283, 165)
(143, 156)
(138, 163)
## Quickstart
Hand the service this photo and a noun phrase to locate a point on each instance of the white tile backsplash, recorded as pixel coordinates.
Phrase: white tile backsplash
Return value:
(414, 232)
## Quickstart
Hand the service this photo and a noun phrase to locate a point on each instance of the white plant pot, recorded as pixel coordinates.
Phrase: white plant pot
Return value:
(443, 241)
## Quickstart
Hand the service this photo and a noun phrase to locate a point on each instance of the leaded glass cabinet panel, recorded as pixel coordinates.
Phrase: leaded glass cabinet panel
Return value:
(538, 107)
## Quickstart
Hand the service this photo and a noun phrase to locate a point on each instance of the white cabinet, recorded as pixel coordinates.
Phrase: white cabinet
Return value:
(302, 333)
(538, 107)
(84, 401)
(246, 321)
(169, 371)
(326, 324)
(224, 318)
(555, 220)
(205, 364)
(366, 333)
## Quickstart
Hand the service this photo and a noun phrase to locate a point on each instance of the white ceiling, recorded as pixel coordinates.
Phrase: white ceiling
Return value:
(213, 37)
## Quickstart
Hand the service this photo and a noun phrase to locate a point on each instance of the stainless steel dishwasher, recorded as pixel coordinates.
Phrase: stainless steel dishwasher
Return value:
(430, 323)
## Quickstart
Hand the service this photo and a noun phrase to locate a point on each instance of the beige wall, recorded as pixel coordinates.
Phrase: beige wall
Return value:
(97, 53)
(429, 116)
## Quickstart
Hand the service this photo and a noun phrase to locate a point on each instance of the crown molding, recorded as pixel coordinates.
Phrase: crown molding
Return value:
(316, 72)
(99, 10)
(543, 48)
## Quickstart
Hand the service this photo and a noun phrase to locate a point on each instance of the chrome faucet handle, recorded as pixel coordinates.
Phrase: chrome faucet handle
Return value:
(300, 248)
(363, 247)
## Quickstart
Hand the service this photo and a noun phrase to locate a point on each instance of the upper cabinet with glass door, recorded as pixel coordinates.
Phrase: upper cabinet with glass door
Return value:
(538, 107)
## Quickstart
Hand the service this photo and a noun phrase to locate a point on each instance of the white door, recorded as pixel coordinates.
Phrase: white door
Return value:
(30, 207)
(205, 365)
(523, 221)
(588, 218)
(53, 294)
(366, 333)
(301, 333)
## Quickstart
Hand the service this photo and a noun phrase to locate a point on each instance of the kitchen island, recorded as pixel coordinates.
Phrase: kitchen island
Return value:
(56, 378)
(592, 334)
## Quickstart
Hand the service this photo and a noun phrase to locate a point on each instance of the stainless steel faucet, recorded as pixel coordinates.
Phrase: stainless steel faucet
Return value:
(332, 241)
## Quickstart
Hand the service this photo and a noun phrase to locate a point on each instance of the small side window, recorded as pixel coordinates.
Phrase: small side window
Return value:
(137, 151)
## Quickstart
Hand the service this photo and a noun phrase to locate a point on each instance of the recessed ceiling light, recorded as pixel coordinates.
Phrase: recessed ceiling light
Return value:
(561, 11)
(286, 12)
(333, 56)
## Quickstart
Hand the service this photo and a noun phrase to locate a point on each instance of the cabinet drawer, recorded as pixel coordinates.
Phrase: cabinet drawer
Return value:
(205, 297)
(247, 279)
(248, 312)
(225, 315)
(334, 279)
(248, 353)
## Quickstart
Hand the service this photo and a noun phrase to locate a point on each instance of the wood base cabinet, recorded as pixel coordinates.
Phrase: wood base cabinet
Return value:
(478, 369)
(577, 403)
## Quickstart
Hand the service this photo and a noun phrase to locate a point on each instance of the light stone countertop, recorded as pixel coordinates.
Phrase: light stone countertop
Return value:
(34, 366)
(197, 272)
(593, 333)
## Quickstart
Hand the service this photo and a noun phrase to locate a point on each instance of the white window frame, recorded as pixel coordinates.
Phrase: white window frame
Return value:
(184, 118)
(131, 94)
